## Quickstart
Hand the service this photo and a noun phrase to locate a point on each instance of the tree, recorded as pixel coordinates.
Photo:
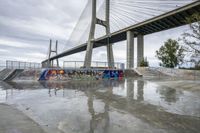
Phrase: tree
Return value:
(144, 63)
(192, 39)
(171, 54)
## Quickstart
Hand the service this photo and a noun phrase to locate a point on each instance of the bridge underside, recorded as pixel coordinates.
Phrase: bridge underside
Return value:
(163, 22)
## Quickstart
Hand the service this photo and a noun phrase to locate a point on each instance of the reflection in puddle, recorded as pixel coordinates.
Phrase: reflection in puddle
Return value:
(131, 105)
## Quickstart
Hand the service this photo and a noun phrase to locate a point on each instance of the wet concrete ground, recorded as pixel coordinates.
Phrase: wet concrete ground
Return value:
(128, 106)
(14, 121)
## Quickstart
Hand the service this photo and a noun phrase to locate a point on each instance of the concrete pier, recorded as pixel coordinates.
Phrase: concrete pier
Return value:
(110, 56)
(130, 50)
(106, 24)
(88, 56)
(140, 49)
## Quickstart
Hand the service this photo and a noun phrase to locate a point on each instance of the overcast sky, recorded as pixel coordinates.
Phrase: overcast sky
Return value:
(27, 25)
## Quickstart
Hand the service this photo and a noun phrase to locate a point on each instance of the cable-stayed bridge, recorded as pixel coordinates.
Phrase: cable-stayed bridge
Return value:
(103, 23)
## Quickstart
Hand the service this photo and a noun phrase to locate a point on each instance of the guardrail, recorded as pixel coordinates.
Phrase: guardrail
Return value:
(22, 65)
(66, 65)
(2, 67)
(94, 64)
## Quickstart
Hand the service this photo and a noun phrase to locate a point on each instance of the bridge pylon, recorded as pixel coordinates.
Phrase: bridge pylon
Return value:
(90, 43)
(51, 50)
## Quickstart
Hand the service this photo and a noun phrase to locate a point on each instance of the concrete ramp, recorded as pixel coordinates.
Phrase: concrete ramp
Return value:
(4, 73)
(148, 72)
(152, 72)
(132, 73)
(9, 74)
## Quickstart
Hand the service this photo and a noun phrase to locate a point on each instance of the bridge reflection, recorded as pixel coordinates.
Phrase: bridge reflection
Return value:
(127, 96)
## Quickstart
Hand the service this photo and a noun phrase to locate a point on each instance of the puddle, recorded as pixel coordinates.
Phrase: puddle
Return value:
(130, 105)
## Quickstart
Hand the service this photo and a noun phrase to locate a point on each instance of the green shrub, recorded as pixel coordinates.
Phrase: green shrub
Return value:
(144, 63)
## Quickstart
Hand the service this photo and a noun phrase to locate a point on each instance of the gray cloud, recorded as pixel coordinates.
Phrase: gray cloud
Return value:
(27, 25)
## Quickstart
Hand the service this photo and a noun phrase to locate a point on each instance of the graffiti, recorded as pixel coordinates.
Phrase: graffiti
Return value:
(112, 74)
(53, 74)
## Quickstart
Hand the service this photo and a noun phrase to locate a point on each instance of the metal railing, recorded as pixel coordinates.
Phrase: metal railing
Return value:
(94, 64)
(22, 65)
(2, 67)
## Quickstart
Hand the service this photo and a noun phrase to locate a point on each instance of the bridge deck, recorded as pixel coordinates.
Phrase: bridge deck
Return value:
(163, 22)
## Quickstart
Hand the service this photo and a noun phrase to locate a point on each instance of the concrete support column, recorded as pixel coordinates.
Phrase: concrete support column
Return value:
(110, 56)
(44, 65)
(130, 50)
(49, 62)
(88, 56)
(140, 49)
(57, 53)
